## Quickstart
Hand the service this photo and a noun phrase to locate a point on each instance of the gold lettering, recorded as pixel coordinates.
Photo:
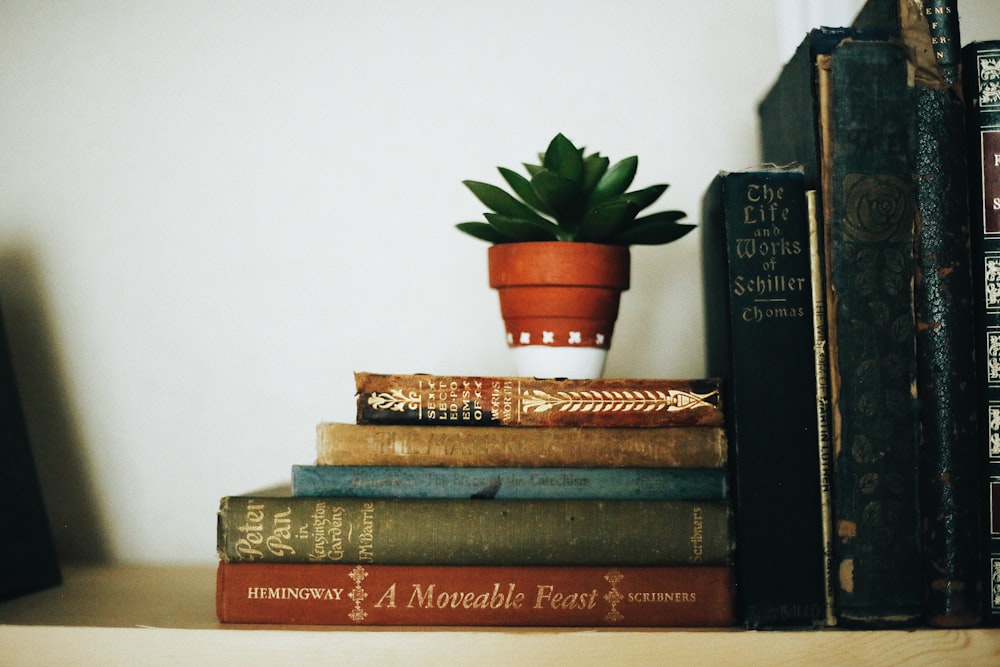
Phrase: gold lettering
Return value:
(253, 533)
(545, 595)
(697, 535)
(429, 598)
(281, 531)
(388, 598)
(662, 596)
(366, 536)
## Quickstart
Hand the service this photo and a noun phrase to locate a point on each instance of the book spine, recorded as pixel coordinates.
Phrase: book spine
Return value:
(756, 259)
(946, 368)
(868, 213)
(943, 35)
(523, 401)
(28, 562)
(355, 595)
(478, 446)
(981, 74)
(817, 272)
(943, 298)
(510, 483)
(474, 532)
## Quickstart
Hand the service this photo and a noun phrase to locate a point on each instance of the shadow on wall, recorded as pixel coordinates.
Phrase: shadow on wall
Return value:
(55, 441)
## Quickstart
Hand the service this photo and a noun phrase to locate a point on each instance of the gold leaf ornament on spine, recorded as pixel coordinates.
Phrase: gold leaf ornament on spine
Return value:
(395, 400)
(613, 401)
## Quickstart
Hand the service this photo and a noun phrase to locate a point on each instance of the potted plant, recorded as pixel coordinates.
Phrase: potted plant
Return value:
(560, 255)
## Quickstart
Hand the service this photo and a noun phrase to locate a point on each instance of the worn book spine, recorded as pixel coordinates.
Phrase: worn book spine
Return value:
(757, 276)
(981, 74)
(824, 444)
(290, 529)
(869, 239)
(946, 371)
(356, 595)
(479, 446)
(510, 483)
(523, 401)
(844, 108)
(946, 366)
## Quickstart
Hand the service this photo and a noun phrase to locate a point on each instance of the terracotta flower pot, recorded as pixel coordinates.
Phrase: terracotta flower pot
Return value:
(559, 301)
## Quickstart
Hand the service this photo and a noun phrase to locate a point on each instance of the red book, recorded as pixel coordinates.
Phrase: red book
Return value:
(434, 400)
(302, 594)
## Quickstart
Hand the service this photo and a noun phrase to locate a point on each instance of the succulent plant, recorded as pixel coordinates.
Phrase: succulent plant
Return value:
(573, 197)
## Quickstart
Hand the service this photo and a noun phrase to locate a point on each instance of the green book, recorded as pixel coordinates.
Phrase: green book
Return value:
(283, 528)
(842, 107)
(943, 298)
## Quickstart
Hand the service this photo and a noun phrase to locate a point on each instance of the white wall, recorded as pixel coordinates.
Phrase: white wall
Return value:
(212, 213)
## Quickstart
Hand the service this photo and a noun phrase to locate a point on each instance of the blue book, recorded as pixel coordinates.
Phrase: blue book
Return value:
(510, 483)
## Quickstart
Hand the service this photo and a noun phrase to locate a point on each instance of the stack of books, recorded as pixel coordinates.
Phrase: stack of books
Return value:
(495, 501)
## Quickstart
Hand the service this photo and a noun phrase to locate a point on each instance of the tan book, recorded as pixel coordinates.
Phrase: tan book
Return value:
(497, 446)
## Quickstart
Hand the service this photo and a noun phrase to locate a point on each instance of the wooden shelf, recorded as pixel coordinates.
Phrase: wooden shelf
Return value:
(132, 615)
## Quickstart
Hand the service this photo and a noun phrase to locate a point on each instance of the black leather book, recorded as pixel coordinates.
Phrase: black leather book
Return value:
(760, 340)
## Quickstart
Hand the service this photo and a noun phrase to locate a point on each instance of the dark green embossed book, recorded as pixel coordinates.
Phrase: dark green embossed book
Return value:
(842, 107)
(284, 528)
(760, 340)
(981, 74)
(946, 365)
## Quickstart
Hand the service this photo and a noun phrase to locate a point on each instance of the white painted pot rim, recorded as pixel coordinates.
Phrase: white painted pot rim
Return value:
(577, 363)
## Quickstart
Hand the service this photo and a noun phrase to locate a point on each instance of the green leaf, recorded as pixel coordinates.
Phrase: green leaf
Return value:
(521, 229)
(483, 232)
(661, 216)
(640, 198)
(604, 222)
(655, 229)
(615, 180)
(560, 196)
(501, 201)
(594, 166)
(564, 158)
(522, 188)
(532, 169)
(643, 198)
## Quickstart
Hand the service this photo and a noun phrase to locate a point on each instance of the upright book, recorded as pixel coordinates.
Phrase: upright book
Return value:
(946, 365)
(981, 73)
(521, 401)
(488, 446)
(842, 108)
(760, 340)
(28, 560)
(356, 595)
(287, 529)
